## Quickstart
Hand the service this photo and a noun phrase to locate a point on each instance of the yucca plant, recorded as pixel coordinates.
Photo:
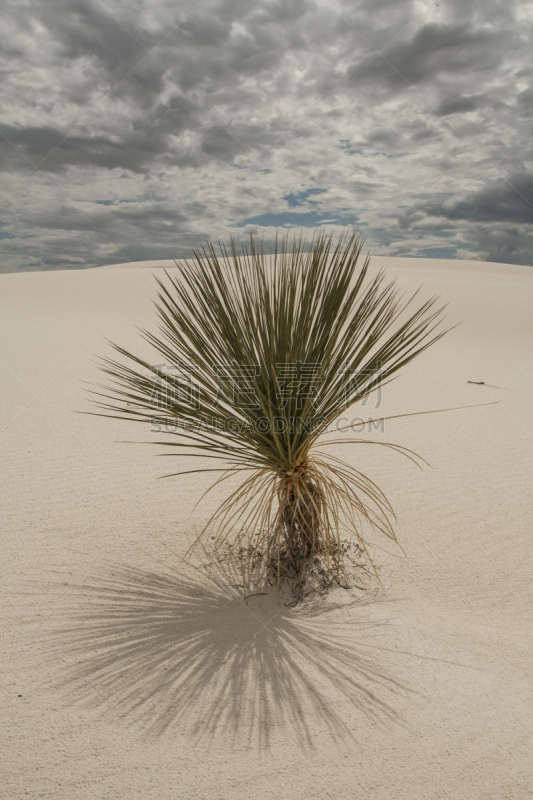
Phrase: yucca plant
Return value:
(261, 355)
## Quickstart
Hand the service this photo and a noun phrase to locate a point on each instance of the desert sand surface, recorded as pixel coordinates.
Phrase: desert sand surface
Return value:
(128, 675)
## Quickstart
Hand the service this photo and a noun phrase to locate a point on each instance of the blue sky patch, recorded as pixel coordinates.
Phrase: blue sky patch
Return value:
(299, 198)
(290, 219)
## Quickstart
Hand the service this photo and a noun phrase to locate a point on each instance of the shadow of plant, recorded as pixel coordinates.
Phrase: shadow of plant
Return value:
(174, 651)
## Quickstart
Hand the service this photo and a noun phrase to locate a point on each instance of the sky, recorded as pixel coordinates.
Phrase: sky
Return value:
(138, 130)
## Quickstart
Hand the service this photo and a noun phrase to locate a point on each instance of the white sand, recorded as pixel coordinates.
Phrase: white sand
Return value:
(141, 681)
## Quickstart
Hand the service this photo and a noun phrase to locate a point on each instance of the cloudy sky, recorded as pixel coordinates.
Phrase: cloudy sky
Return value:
(138, 129)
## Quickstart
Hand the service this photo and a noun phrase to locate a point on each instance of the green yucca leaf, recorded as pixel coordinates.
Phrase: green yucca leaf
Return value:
(257, 357)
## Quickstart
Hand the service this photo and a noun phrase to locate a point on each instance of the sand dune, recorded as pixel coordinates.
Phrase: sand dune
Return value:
(127, 675)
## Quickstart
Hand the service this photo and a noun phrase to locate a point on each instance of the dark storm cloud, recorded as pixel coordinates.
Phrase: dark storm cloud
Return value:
(152, 216)
(195, 48)
(501, 201)
(524, 102)
(458, 104)
(27, 147)
(383, 136)
(84, 28)
(219, 143)
(432, 51)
